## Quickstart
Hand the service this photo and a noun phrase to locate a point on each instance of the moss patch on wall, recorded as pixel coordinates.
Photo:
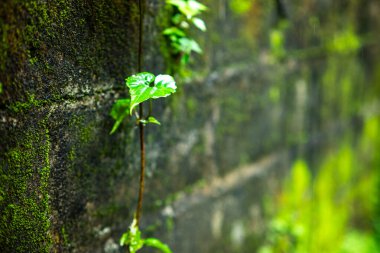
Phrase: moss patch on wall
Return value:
(64, 48)
(24, 199)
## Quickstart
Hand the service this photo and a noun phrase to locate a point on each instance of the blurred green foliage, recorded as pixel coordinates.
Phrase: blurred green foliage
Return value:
(241, 6)
(277, 42)
(341, 42)
(181, 45)
(344, 42)
(337, 209)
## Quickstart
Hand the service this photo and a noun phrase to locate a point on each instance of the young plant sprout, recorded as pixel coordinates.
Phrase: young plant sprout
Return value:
(142, 87)
(145, 86)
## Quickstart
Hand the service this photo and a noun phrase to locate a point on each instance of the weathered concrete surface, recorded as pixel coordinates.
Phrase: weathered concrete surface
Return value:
(66, 185)
(61, 63)
(223, 214)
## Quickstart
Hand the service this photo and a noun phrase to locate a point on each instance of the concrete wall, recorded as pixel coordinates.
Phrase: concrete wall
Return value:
(228, 135)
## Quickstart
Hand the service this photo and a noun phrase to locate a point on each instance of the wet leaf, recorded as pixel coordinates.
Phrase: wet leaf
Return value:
(119, 111)
(155, 243)
(199, 23)
(144, 86)
(153, 120)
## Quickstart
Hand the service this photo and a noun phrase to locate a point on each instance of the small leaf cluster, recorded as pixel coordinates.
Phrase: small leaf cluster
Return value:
(142, 87)
(181, 44)
(132, 239)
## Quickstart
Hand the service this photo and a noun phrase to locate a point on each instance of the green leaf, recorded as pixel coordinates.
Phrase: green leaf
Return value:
(189, 8)
(153, 120)
(124, 240)
(174, 31)
(119, 111)
(119, 107)
(143, 78)
(195, 47)
(165, 82)
(195, 5)
(144, 121)
(136, 242)
(150, 119)
(184, 25)
(132, 238)
(185, 59)
(177, 18)
(143, 88)
(199, 23)
(116, 125)
(177, 3)
(187, 45)
(155, 243)
(139, 85)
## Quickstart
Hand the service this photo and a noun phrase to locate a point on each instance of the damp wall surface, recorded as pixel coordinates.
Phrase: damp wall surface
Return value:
(277, 79)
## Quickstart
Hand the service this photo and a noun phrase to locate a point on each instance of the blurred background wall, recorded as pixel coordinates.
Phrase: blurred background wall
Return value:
(270, 145)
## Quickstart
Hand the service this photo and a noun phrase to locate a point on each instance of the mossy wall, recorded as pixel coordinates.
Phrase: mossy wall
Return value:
(62, 65)
(261, 89)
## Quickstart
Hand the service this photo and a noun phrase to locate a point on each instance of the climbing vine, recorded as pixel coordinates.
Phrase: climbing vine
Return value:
(143, 86)
(181, 44)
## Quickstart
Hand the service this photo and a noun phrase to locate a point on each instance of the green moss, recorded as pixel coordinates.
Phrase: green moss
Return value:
(86, 134)
(72, 154)
(24, 209)
(26, 29)
(65, 236)
(83, 129)
(24, 106)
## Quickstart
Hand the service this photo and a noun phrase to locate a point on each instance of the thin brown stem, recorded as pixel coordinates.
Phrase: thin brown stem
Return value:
(142, 169)
(150, 107)
(141, 111)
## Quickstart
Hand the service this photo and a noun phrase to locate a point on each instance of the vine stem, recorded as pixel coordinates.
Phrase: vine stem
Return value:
(142, 169)
(141, 111)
